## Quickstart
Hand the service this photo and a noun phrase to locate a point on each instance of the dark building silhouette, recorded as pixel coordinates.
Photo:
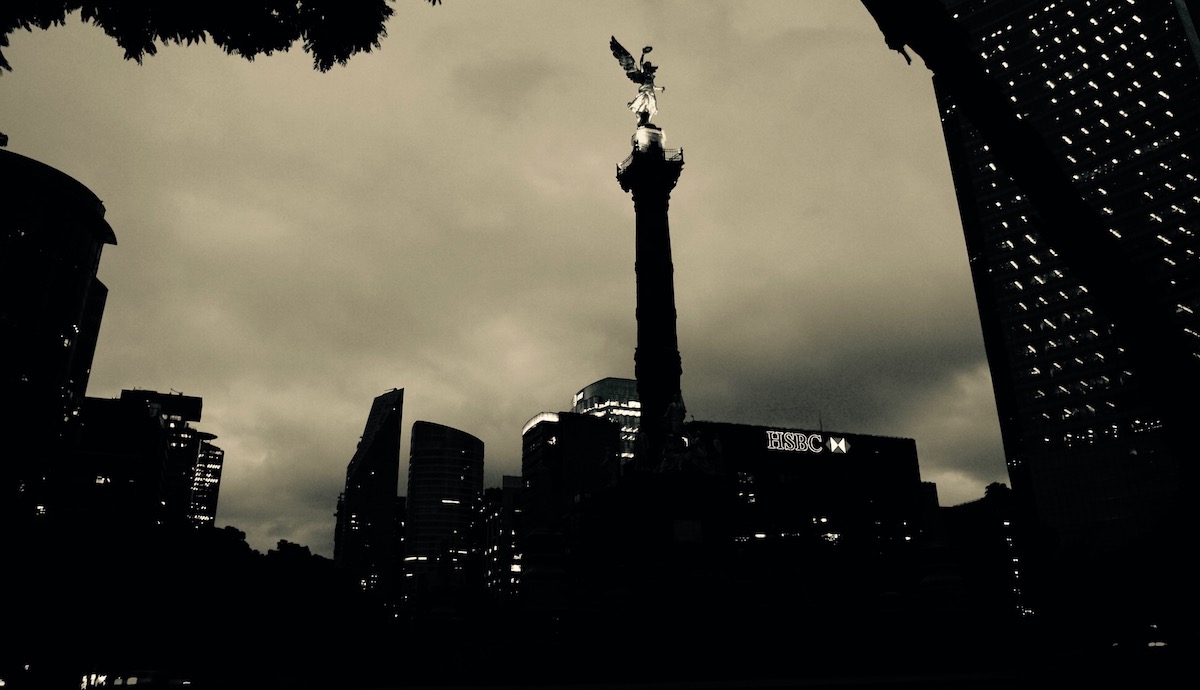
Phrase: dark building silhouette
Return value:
(191, 471)
(753, 526)
(1079, 219)
(54, 231)
(974, 562)
(365, 537)
(115, 474)
(649, 173)
(134, 461)
(566, 458)
(443, 562)
(120, 543)
(818, 511)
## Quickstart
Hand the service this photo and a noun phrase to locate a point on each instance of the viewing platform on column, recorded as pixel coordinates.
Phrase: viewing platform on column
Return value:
(650, 161)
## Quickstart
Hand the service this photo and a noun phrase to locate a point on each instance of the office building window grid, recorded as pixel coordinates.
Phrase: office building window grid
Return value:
(1112, 87)
(1097, 88)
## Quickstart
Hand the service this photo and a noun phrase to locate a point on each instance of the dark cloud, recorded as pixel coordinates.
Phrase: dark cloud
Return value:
(442, 215)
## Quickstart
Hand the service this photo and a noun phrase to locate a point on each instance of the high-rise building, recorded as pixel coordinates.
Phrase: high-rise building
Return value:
(206, 481)
(616, 400)
(51, 304)
(443, 571)
(1109, 90)
(365, 538)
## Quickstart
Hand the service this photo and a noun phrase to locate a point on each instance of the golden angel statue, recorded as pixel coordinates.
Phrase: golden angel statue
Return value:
(640, 72)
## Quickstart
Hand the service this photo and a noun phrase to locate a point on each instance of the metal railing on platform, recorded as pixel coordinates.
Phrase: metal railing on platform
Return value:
(668, 155)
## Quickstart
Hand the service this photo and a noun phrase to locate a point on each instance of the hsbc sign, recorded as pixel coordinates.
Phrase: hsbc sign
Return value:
(800, 442)
(793, 441)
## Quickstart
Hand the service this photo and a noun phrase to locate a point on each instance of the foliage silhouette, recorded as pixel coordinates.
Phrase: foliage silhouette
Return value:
(331, 31)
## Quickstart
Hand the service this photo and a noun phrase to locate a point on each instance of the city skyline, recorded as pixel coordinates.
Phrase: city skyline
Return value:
(442, 215)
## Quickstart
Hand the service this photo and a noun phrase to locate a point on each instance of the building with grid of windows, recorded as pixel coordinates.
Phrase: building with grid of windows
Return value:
(206, 481)
(1110, 90)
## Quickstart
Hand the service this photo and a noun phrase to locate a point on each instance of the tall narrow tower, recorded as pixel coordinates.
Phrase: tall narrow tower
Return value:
(650, 173)
(365, 538)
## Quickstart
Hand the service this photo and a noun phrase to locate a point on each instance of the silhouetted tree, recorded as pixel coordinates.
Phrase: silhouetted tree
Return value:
(332, 31)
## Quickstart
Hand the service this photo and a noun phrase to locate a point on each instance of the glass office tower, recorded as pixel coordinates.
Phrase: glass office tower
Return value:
(1112, 89)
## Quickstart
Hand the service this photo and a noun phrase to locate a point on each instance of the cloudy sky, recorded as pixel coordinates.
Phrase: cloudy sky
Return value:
(442, 215)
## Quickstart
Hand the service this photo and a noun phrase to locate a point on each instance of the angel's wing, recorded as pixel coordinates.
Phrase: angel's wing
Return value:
(627, 62)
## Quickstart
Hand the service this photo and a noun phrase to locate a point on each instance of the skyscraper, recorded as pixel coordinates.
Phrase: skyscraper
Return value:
(206, 481)
(51, 305)
(365, 538)
(1070, 277)
(443, 534)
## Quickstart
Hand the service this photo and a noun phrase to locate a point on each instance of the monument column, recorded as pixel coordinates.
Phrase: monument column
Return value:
(650, 173)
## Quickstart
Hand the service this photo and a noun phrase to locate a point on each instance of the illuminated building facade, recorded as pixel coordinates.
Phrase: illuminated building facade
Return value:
(501, 550)
(365, 538)
(443, 569)
(617, 401)
(51, 305)
(1112, 89)
(206, 482)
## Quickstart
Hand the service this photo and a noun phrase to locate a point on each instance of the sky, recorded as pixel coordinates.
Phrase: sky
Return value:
(442, 215)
